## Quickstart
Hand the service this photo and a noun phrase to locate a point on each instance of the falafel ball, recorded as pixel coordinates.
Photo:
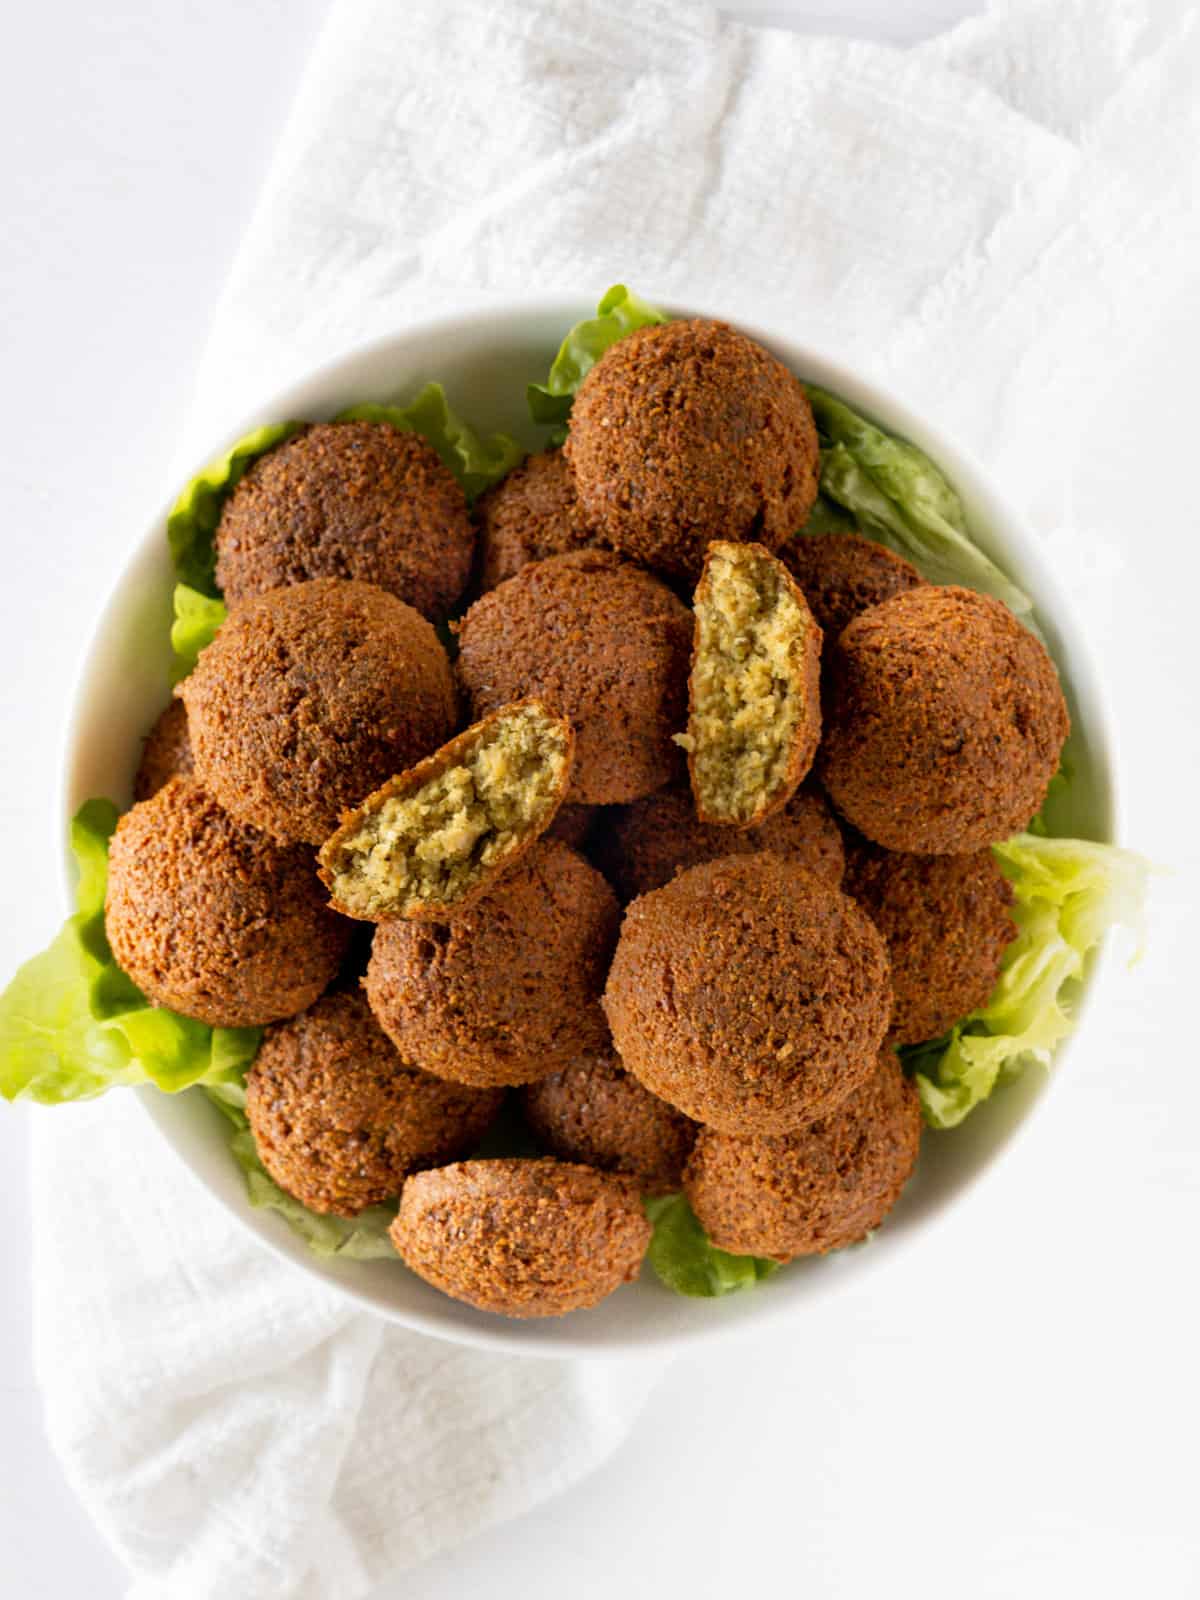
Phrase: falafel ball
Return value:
(648, 842)
(600, 642)
(843, 575)
(166, 753)
(309, 698)
(522, 1238)
(946, 923)
(213, 919)
(818, 1189)
(506, 990)
(361, 500)
(573, 825)
(689, 431)
(749, 994)
(532, 514)
(340, 1120)
(595, 1112)
(944, 722)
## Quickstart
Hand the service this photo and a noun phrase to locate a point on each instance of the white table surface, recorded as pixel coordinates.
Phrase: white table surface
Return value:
(1028, 1427)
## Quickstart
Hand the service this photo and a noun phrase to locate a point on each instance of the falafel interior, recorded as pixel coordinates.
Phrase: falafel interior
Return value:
(437, 834)
(755, 714)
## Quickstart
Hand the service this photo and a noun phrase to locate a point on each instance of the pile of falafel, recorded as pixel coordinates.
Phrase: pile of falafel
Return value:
(714, 843)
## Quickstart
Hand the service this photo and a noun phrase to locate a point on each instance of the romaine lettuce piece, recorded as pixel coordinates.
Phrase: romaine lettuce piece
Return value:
(197, 618)
(72, 1025)
(1069, 893)
(476, 463)
(901, 499)
(619, 313)
(685, 1261)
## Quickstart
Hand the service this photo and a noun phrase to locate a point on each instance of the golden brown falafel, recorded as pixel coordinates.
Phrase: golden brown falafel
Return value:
(213, 919)
(433, 838)
(361, 500)
(843, 575)
(944, 722)
(596, 1113)
(754, 703)
(166, 753)
(600, 642)
(340, 1120)
(532, 514)
(749, 994)
(818, 1189)
(643, 845)
(507, 990)
(522, 1238)
(689, 431)
(310, 697)
(946, 924)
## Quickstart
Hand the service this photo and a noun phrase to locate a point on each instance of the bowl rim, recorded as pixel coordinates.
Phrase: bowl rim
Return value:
(813, 362)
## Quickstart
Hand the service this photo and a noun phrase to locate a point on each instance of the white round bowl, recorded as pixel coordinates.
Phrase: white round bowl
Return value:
(485, 359)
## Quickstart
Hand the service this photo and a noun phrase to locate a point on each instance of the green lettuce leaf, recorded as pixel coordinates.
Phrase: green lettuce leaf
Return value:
(619, 313)
(685, 1261)
(1069, 893)
(197, 618)
(193, 520)
(476, 463)
(901, 499)
(72, 1025)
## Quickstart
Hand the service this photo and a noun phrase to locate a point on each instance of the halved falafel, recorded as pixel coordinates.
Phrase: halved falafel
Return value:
(817, 1189)
(507, 990)
(532, 514)
(754, 705)
(689, 431)
(361, 500)
(946, 923)
(166, 753)
(749, 994)
(597, 1113)
(643, 845)
(602, 643)
(944, 722)
(522, 1238)
(433, 838)
(309, 698)
(212, 918)
(843, 575)
(340, 1120)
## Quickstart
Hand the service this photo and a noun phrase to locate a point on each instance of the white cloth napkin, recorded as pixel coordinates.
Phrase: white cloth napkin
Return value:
(969, 220)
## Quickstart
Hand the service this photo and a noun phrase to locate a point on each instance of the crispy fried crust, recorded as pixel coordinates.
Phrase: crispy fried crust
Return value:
(359, 500)
(600, 642)
(689, 431)
(532, 514)
(436, 837)
(754, 694)
(310, 697)
(507, 990)
(522, 1238)
(645, 844)
(211, 918)
(843, 575)
(946, 923)
(749, 994)
(818, 1189)
(945, 721)
(340, 1120)
(596, 1113)
(166, 754)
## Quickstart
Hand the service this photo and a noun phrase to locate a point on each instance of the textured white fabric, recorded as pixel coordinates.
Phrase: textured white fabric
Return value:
(972, 221)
